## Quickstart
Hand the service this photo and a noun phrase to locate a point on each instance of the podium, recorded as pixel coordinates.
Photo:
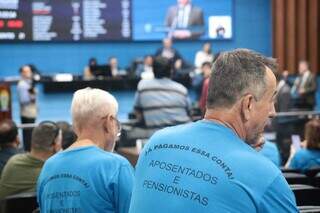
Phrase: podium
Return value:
(5, 101)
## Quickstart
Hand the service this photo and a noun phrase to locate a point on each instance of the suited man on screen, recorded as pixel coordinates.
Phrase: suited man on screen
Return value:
(185, 21)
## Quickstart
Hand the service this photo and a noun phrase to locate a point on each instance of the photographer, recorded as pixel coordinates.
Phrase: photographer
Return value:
(27, 100)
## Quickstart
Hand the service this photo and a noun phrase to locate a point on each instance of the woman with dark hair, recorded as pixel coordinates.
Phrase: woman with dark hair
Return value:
(87, 73)
(308, 156)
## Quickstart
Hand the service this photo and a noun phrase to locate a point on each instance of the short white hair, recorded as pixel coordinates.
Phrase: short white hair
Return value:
(90, 104)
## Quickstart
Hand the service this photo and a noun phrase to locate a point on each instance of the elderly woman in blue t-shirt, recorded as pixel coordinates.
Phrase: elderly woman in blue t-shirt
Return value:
(308, 156)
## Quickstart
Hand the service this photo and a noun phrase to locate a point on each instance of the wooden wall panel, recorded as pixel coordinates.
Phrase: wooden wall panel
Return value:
(291, 34)
(301, 30)
(313, 36)
(296, 25)
(278, 31)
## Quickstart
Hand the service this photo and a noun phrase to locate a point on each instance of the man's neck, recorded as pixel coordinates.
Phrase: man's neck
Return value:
(228, 118)
(41, 155)
(88, 138)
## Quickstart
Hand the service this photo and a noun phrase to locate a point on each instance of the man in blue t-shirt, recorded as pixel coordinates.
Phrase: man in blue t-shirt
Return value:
(85, 177)
(305, 159)
(271, 152)
(212, 165)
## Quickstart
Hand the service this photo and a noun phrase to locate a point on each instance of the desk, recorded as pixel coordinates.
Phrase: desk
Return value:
(130, 153)
(110, 84)
(105, 84)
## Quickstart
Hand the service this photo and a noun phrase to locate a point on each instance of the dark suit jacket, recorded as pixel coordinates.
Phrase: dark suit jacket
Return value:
(307, 99)
(195, 22)
(283, 99)
(176, 54)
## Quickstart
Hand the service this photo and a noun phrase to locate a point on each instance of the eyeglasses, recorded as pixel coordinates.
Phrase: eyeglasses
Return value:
(117, 123)
(118, 126)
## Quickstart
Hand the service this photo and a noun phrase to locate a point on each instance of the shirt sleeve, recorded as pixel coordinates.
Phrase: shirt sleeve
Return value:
(137, 104)
(123, 189)
(39, 190)
(278, 198)
(294, 162)
(24, 95)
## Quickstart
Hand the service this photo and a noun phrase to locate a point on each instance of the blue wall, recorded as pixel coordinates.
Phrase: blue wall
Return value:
(252, 29)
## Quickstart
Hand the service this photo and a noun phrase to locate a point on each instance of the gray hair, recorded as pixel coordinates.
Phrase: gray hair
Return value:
(89, 104)
(236, 73)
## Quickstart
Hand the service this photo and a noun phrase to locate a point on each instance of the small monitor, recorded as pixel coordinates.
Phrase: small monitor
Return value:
(101, 70)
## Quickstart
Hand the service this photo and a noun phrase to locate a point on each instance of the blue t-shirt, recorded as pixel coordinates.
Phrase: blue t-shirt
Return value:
(305, 159)
(206, 167)
(85, 179)
(270, 151)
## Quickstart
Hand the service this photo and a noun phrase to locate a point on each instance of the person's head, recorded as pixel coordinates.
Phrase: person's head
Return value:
(92, 62)
(303, 66)
(285, 74)
(148, 60)
(8, 134)
(167, 43)
(26, 72)
(206, 69)
(312, 134)
(94, 116)
(183, 2)
(220, 31)
(68, 135)
(161, 67)
(46, 138)
(243, 82)
(207, 47)
(113, 62)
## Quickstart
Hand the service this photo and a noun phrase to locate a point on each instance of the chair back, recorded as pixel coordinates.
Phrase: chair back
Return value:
(23, 202)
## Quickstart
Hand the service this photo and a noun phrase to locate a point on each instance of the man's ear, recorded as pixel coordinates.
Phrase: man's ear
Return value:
(17, 141)
(246, 106)
(57, 145)
(107, 124)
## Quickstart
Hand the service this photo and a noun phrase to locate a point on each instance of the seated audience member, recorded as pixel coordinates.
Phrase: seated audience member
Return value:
(304, 87)
(202, 56)
(114, 67)
(270, 151)
(96, 179)
(68, 135)
(159, 102)
(206, 71)
(9, 141)
(212, 165)
(87, 73)
(145, 71)
(22, 170)
(308, 156)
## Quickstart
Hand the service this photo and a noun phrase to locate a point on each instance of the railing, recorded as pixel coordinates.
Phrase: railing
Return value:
(309, 114)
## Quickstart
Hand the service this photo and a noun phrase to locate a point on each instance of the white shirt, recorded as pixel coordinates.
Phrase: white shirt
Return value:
(183, 16)
(200, 58)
